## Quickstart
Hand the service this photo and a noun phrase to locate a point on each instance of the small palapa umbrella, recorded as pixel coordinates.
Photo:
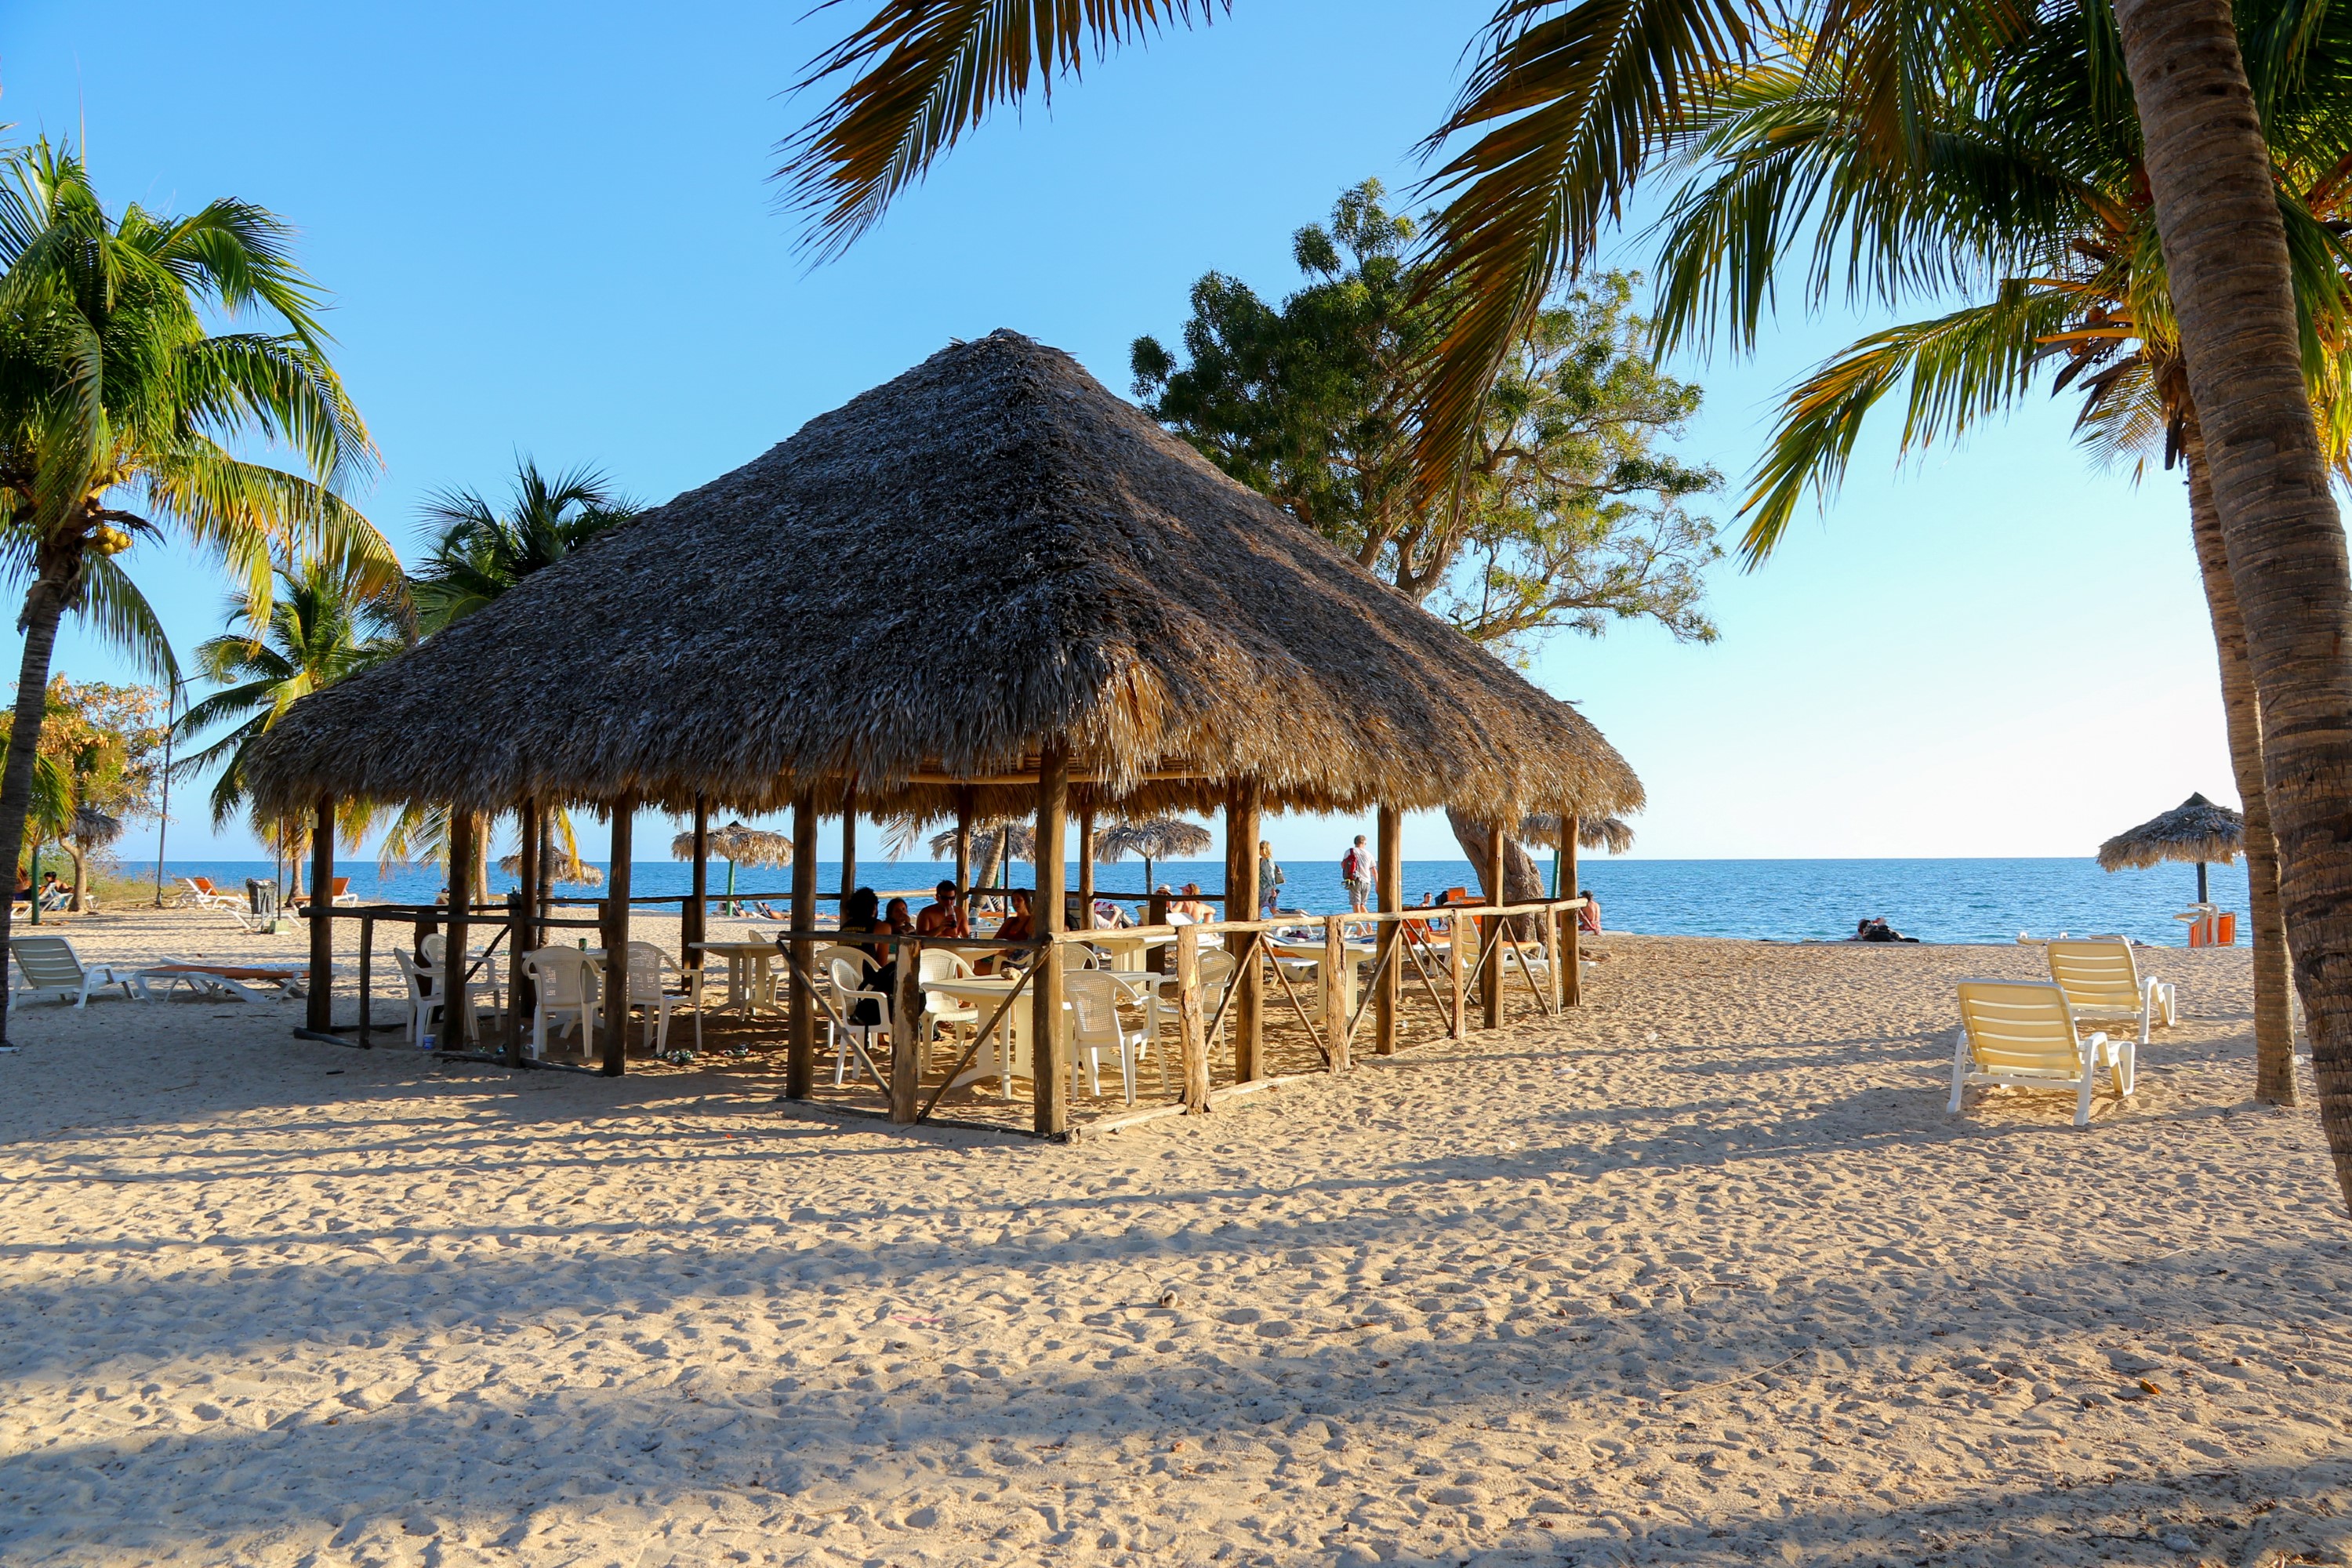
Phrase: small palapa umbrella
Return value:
(1154, 839)
(581, 875)
(2195, 831)
(738, 844)
(1609, 833)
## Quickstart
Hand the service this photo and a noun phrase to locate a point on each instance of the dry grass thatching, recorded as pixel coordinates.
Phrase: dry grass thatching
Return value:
(1159, 838)
(938, 578)
(582, 875)
(2196, 829)
(741, 845)
(1610, 833)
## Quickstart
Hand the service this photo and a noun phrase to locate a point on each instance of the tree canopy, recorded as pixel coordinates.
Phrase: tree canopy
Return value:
(1570, 514)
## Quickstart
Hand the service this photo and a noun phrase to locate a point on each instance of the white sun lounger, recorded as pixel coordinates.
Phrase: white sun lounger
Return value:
(2021, 1033)
(2102, 981)
(48, 967)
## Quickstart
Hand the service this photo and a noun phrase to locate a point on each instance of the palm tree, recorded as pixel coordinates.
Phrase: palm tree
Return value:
(475, 553)
(1569, 103)
(117, 406)
(2029, 185)
(322, 625)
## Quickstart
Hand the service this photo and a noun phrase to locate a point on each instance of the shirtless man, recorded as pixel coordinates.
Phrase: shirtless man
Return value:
(944, 915)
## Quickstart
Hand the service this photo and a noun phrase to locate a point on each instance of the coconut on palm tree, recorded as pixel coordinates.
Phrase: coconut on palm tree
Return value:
(1568, 104)
(119, 409)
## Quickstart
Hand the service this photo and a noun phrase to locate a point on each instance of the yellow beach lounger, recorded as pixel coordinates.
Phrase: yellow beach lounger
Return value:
(2022, 1033)
(2102, 980)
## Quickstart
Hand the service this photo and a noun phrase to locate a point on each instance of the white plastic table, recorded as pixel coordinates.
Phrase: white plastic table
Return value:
(751, 977)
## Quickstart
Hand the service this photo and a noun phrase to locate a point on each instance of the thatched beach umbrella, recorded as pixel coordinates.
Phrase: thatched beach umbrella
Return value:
(1106, 622)
(1154, 839)
(2195, 831)
(572, 873)
(738, 844)
(1609, 833)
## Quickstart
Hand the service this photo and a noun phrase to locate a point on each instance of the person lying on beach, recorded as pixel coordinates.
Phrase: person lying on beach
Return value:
(765, 913)
(1879, 931)
(1109, 915)
(943, 916)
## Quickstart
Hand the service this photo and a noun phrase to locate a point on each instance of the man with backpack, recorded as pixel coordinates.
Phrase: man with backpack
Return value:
(1357, 870)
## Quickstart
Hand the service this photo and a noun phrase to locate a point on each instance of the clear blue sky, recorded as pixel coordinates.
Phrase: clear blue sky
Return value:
(550, 230)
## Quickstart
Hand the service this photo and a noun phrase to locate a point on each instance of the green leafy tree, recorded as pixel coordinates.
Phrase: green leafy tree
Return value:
(118, 405)
(475, 553)
(1569, 514)
(108, 742)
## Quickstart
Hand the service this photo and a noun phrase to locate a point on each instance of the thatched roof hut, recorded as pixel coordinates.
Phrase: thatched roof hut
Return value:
(738, 846)
(2195, 831)
(920, 590)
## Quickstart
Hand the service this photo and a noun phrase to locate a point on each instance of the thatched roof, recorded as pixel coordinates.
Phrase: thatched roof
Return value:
(743, 845)
(579, 874)
(2196, 829)
(1610, 833)
(927, 586)
(1158, 838)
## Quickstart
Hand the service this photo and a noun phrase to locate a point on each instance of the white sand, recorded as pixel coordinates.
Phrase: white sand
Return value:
(276, 1302)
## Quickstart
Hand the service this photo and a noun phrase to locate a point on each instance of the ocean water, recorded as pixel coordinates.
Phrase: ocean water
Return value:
(1783, 901)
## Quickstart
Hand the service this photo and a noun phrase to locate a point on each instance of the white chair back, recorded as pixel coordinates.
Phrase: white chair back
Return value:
(848, 976)
(435, 950)
(420, 979)
(939, 964)
(1093, 996)
(47, 962)
(645, 965)
(563, 974)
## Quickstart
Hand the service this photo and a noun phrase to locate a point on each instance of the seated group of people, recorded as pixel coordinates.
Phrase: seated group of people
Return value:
(54, 894)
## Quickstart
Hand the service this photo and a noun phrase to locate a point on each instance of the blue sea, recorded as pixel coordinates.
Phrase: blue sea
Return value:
(1784, 900)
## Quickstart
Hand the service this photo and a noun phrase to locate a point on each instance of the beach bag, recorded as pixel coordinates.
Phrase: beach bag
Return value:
(1351, 865)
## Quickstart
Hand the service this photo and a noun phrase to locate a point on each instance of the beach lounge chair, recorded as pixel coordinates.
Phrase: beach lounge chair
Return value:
(223, 982)
(565, 981)
(48, 967)
(2022, 1033)
(204, 895)
(2102, 981)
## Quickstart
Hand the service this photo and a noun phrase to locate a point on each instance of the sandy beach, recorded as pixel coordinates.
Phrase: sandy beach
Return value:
(1702, 1274)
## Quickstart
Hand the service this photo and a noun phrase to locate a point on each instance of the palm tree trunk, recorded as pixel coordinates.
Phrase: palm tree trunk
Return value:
(2273, 1022)
(2225, 251)
(44, 603)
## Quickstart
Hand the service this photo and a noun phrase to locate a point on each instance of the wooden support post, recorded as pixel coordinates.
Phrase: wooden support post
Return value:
(1155, 913)
(457, 1013)
(523, 994)
(1249, 954)
(1086, 863)
(1571, 960)
(694, 923)
(963, 847)
(799, 1062)
(1490, 970)
(617, 940)
(517, 1015)
(1191, 1026)
(1391, 880)
(1460, 930)
(1336, 1013)
(1048, 1041)
(320, 1008)
(848, 849)
(908, 1027)
(367, 981)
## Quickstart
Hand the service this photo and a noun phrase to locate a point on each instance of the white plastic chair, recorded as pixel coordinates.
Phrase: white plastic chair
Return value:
(1216, 973)
(567, 987)
(940, 964)
(204, 895)
(848, 991)
(2022, 1033)
(2102, 980)
(1095, 1025)
(424, 1006)
(48, 967)
(647, 993)
(435, 949)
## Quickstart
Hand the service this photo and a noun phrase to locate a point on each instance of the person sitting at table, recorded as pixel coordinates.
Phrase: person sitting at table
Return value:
(1191, 904)
(944, 915)
(898, 918)
(861, 915)
(1019, 926)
